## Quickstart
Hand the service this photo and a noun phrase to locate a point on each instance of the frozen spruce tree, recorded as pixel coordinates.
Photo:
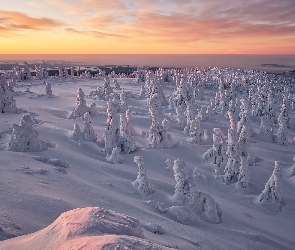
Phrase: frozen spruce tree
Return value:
(24, 137)
(130, 128)
(142, 183)
(182, 186)
(126, 141)
(232, 166)
(282, 133)
(158, 136)
(217, 152)
(108, 136)
(188, 196)
(112, 128)
(48, 89)
(190, 116)
(244, 117)
(244, 142)
(272, 192)
(27, 71)
(244, 173)
(7, 101)
(81, 107)
(285, 108)
(88, 130)
(195, 131)
(123, 126)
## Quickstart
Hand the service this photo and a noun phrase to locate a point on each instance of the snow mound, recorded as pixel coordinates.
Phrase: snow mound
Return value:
(85, 228)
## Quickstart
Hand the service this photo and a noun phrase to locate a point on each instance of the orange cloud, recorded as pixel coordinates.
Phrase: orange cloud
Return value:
(12, 21)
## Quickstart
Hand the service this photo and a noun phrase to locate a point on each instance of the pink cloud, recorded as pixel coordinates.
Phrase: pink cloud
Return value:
(12, 21)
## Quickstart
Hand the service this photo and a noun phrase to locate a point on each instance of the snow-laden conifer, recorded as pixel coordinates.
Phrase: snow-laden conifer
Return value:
(244, 172)
(89, 133)
(24, 137)
(81, 107)
(217, 152)
(273, 188)
(187, 195)
(232, 166)
(142, 184)
(282, 133)
(129, 120)
(48, 89)
(7, 101)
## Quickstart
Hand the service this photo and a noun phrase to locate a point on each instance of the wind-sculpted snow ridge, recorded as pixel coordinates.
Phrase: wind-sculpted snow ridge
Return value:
(86, 228)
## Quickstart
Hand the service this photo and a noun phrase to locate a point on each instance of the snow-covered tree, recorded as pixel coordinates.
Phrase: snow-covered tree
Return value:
(126, 141)
(187, 195)
(244, 172)
(123, 125)
(24, 137)
(48, 89)
(114, 157)
(285, 108)
(217, 152)
(158, 136)
(142, 183)
(232, 166)
(282, 133)
(130, 127)
(195, 131)
(182, 182)
(190, 116)
(123, 103)
(103, 92)
(7, 101)
(244, 142)
(244, 117)
(92, 109)
(81, 107)
(88, 130)
(27, 71)
(273, 188)
(112, 128)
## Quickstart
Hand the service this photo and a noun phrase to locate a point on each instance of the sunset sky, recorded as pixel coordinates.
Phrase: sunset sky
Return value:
(147, 27)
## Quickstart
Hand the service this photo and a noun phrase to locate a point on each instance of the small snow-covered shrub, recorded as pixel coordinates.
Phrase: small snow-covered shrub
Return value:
(114, 157)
